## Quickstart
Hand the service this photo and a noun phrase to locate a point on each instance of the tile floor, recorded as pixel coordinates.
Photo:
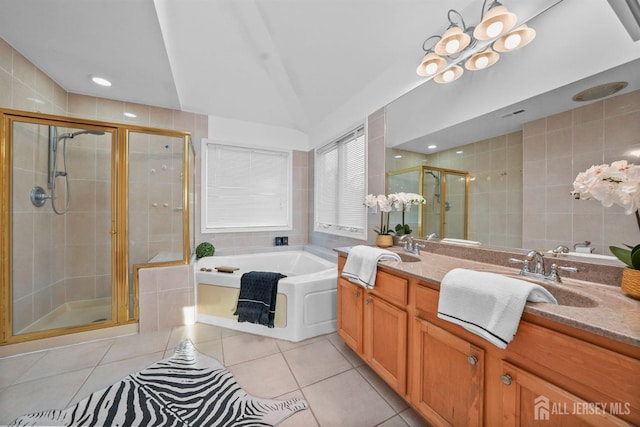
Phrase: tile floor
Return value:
(340, 389)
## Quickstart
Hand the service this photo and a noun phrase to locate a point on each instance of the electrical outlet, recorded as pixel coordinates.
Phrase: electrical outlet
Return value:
(278, 241)
(285, 241)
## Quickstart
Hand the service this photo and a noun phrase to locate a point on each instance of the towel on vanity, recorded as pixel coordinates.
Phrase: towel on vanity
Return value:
(257, 299)
(362, 264)
(489, 305)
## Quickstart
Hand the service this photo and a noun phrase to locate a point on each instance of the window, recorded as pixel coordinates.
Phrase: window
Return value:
(245, 189)
(340, 186)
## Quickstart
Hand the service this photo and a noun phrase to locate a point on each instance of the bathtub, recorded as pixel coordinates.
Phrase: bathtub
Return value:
(306, 300)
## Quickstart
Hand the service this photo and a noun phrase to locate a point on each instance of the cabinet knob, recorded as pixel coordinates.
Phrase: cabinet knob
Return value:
(356, 294)
(472, 360)
(506, 379)
(367, 301)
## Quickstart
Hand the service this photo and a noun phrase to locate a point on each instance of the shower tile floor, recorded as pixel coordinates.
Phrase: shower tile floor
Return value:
(340, 389)
(73, 314)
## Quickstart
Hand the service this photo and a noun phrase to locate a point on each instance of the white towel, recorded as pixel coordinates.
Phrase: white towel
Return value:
(362, 264)
(487, 304)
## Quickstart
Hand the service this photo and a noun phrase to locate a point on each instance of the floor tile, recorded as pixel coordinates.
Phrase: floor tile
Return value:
(110, 373)
(266, 377)
(388, 394)
(245, 347)
(67, 359)
(198, 332)
(315, 362)
(137, 345)
(412, 418)
(288, 345)
(346, 351)
(347, 400)
(396, 421)
(304, 418)
(12, 368)
(53, 392)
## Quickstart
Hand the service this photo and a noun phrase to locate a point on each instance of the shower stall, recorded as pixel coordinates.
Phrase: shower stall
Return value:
(85, 204)
(446, 192)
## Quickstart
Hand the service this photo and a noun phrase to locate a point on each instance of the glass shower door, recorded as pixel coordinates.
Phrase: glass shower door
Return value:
(61, 222)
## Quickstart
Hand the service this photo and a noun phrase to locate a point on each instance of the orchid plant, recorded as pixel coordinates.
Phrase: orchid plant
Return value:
(615, 184)
(403, 202)
(400, 201)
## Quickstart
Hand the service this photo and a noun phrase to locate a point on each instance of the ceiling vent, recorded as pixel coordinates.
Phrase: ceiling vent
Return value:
(628, 12)
(513, 113)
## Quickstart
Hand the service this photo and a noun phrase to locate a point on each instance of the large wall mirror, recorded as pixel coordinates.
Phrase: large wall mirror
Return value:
(523, 158)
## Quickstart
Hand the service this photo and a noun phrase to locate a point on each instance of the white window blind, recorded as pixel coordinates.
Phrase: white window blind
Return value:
(340, 186)
(245, 189)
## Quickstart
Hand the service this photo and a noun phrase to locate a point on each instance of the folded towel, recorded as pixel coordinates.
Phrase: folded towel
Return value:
(257, 299)
(487, 304)
(362, 264)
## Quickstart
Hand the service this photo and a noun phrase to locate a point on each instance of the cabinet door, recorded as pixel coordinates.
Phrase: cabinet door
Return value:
(529, 400)
(350, 298)
(450, 377)
(385, 333)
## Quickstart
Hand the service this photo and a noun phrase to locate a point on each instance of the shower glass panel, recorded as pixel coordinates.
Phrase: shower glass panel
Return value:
(61, 220)
(156, 198)
(432, 194)
(455, 205)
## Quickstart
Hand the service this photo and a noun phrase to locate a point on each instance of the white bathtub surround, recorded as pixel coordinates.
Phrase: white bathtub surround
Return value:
(306, 302)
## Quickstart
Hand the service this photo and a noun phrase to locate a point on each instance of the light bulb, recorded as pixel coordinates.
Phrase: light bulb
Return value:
(494, 29)
(482, 62)
(452, 46)
(448, 76)
(431, 68)
(512, 41)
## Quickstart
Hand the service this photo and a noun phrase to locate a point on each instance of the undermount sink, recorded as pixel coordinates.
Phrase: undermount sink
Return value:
(407, 257)
(564, 295)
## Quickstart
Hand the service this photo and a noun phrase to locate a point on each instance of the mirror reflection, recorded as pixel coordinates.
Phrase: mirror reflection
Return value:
(520, 180)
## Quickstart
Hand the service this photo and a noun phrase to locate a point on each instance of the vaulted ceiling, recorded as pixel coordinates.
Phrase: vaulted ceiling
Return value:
(290, 63)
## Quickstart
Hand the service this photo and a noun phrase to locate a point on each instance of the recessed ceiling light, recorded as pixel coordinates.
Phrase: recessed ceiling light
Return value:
(100, 81)
(600, 91)
(459, 152)
(431, 147)
(397, 156)
(131, 115)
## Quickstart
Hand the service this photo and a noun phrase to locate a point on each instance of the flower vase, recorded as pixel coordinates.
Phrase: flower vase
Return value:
(631, 282)
(384, 240)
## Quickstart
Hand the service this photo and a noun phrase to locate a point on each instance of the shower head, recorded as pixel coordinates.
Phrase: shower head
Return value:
(80, 132)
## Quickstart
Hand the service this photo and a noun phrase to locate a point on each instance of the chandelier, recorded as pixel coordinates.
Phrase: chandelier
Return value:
(478, 45)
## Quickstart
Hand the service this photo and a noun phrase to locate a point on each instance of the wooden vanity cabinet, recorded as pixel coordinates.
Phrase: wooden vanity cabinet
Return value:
(455, 378)
(449, 377)
(373, 322)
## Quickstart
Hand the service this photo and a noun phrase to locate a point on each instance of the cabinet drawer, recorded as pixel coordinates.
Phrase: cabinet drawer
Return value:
(426, 301)
(391, 288)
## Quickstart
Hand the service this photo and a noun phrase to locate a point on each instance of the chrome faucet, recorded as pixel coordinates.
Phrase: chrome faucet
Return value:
(432, 237)
(410, 245)
(538, 270)
(536, 257)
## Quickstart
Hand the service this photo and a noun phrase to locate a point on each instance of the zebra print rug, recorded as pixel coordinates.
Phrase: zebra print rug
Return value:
(188, 389)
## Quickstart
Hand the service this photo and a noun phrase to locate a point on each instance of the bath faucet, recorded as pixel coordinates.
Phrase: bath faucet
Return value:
(560, 249)
(410, 245)
(432, 236)
(538, 270)
(536, 257)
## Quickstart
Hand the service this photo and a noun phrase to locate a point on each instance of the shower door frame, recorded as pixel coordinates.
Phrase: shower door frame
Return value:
(443, 194)
(122, 313)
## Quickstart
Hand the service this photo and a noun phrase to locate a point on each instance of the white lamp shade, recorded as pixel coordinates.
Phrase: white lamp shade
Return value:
(453, 41)
(516, 39)
(449, 75)
(482, 60)
(496, 22)
(431, 65)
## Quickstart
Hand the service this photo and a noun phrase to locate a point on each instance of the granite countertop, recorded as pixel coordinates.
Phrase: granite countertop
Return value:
(595, 307)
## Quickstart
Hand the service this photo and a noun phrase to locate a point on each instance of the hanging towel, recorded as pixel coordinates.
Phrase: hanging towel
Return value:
(257, 299)
(489, 305)
(362, 264)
